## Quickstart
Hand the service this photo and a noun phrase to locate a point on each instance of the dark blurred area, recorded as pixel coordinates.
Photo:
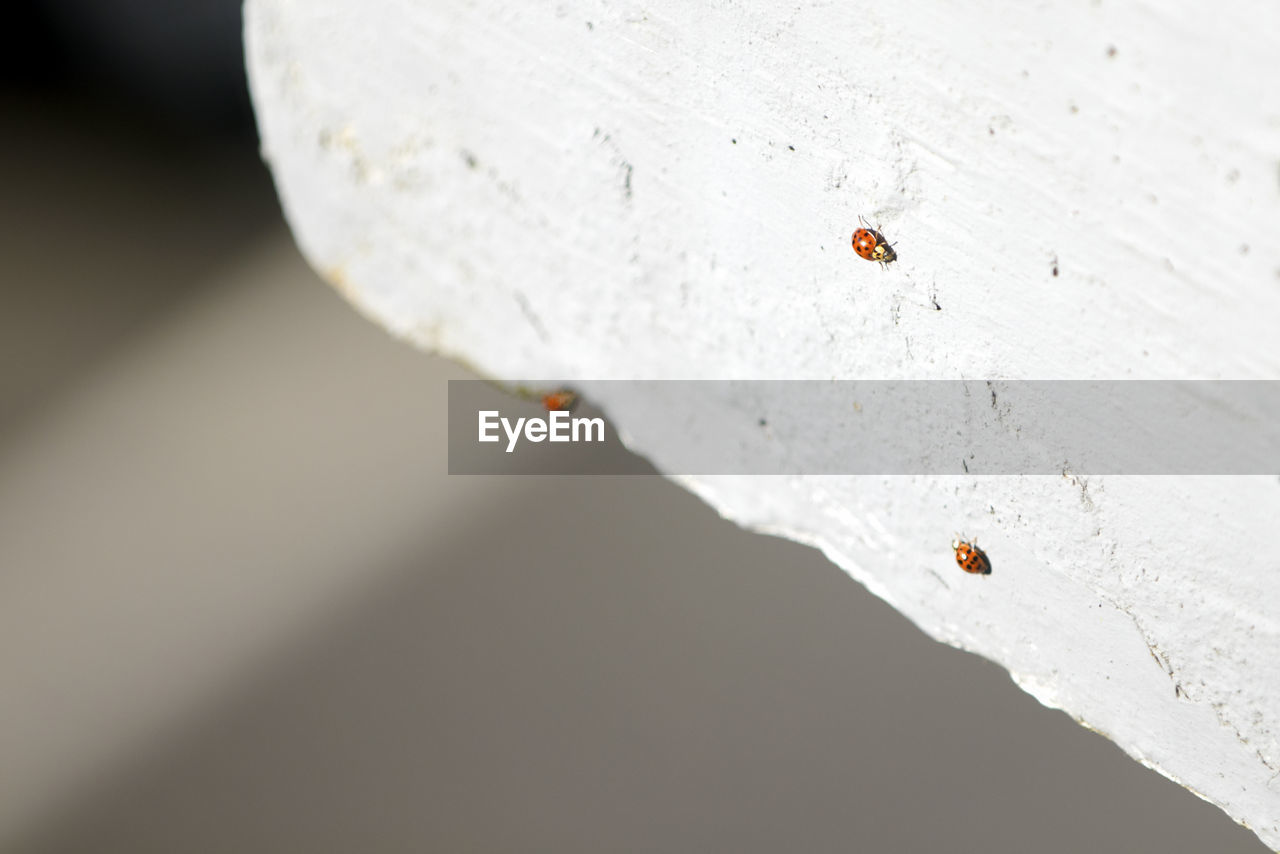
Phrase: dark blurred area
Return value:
(243, 608)
(128, 125)
(177, 67)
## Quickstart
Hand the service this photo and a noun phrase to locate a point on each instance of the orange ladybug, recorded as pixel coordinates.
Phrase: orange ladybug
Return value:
(563, 400)
(869, 243)
(971, 558)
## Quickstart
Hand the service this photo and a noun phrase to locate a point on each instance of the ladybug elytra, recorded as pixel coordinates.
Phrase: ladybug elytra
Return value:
(970, 558)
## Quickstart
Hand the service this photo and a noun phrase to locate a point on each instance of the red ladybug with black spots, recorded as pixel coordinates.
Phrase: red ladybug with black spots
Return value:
(564, 400)
(970, 558)
(869, 243)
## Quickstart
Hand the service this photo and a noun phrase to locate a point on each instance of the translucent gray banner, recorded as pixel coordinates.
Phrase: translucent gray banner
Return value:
(873, 427)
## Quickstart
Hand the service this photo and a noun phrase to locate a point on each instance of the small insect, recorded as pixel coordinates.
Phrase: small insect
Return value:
(971, 558)
(563, 400)
(869, 243)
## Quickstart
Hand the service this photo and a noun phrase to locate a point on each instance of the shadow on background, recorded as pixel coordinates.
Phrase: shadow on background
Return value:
(568, 664)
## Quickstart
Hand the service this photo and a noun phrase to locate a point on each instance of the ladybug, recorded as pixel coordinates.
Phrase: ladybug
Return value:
(563, 400)
(869, 243)
(971, 558)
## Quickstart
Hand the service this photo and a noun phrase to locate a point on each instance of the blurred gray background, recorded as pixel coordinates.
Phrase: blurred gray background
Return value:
(243, 608)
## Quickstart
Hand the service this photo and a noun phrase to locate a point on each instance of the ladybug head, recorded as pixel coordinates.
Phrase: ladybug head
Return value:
(883, 252)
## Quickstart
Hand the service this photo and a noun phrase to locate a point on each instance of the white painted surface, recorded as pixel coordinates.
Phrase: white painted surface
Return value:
(658, 191)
